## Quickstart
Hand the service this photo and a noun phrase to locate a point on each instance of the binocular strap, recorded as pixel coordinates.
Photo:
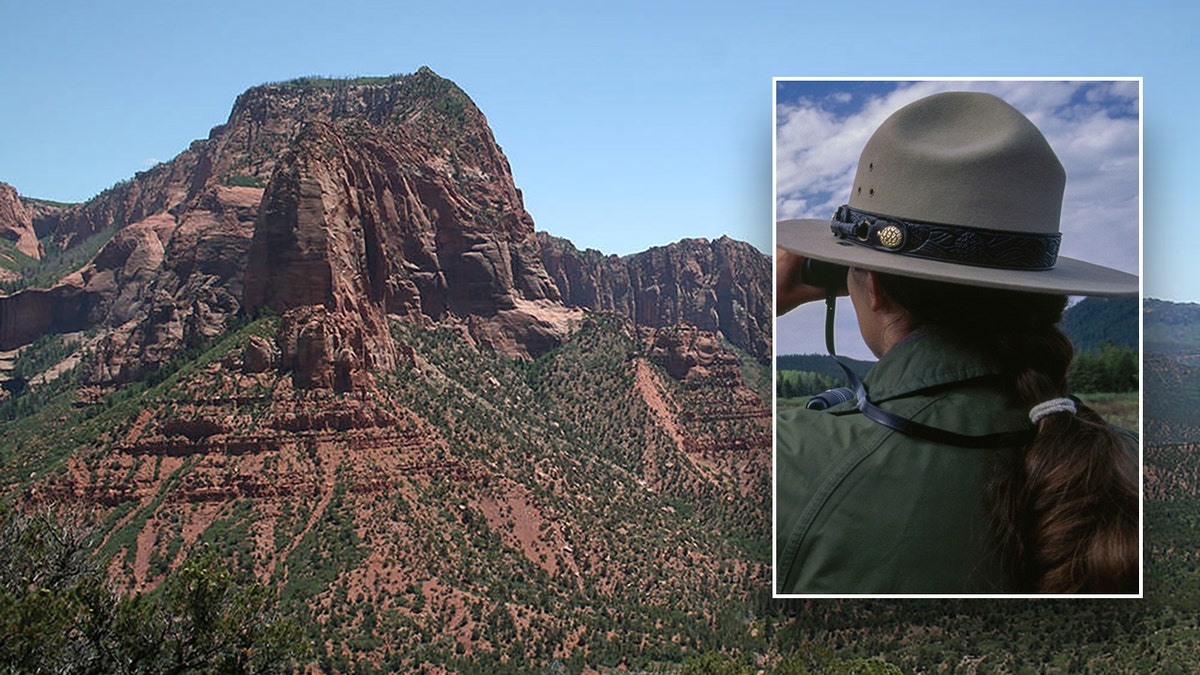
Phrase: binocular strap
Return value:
(907, 426)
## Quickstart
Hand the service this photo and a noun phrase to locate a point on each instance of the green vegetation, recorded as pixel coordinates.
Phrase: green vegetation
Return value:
(794, 384)
(325, 552)
(1171, 328)
(665, 580)
(822, 364)
(1120, 409)
(1093, 322)
(453, 105)
(325, 82)
(35, 358)
(42, 353)
(1108, 368)
(58, 613)
(12, 259)
(43, 426)
(244, 181)
(808, 659)
(756, 374)
(58, 262)
(799, 377)
(572, 429)
(47, 202)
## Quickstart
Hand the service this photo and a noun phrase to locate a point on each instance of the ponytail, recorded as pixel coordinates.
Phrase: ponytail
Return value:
(1065, 509)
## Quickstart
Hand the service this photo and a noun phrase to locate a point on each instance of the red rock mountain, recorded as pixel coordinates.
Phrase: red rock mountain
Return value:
(442, 438)
(366, 198)
(16, 223)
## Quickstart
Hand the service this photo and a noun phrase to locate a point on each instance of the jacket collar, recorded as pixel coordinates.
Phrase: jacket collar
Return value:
(925, 359)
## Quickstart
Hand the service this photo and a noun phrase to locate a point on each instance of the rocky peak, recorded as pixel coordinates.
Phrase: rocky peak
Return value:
(421, 109)
(338, 203)
(394, 198)
(363, 197)
(16, 223)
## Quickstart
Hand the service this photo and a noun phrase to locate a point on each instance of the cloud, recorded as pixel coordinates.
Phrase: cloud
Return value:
(1092, 126)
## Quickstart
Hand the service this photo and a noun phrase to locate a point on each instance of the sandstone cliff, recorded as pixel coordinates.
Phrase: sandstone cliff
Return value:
(16, 223)
(720, 286)
(363, 197)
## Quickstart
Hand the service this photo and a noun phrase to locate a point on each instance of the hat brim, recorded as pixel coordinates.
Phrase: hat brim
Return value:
(813, 239)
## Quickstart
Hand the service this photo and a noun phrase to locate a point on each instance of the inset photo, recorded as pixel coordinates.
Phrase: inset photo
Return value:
(957, 338)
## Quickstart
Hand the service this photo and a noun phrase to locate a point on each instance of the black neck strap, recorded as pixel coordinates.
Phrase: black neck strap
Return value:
(903, 424)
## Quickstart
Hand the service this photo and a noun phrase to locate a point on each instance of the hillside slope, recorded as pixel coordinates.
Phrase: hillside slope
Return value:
(585, 506)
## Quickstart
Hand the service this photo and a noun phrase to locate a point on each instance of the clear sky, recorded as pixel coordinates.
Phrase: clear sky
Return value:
(1092, 125)
(628, 124)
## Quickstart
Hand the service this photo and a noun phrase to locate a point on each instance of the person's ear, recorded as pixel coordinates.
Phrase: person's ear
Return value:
(877, 298)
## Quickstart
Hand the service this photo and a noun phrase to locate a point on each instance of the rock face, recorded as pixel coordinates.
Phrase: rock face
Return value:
(16, 223)
(336, 204)
(720, 286)
(168, 281)
(26, 316)
(683, 350)
(365, 198)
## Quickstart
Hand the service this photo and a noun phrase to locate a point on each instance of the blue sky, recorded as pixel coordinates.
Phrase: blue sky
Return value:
(627, 124)
(1093, 126)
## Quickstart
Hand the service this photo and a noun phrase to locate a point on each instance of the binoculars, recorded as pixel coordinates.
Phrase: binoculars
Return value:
(823, 274)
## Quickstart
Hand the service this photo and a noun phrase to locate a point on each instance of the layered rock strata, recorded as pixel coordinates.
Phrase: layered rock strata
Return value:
(720, 286)
(366, 198)
(16, 223)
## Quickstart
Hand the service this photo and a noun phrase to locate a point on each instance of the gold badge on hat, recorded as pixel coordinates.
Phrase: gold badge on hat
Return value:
(891, 236)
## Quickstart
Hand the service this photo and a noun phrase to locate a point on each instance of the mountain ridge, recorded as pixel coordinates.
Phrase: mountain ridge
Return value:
(324, 341)
(372, 197)
(720, 286)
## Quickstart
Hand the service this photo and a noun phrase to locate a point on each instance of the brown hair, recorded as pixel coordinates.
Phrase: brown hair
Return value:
(1065, 510)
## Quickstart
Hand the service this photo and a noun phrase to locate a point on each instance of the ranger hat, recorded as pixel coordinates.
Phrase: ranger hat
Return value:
(957, 187)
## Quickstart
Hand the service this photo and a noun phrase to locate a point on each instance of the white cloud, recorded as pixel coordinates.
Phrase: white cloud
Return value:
(1092, 127)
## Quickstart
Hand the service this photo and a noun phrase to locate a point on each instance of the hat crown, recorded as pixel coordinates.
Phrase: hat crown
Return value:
(961, 158)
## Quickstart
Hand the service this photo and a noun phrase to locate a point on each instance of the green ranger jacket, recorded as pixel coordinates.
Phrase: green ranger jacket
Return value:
(861, 508)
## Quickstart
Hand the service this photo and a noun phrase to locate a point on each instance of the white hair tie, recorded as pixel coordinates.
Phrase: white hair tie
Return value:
(1054, 405)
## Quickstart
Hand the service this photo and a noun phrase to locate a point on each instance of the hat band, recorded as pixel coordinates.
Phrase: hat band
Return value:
(947, 243)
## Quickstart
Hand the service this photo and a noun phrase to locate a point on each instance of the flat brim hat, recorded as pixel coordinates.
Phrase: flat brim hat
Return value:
(957, 187)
